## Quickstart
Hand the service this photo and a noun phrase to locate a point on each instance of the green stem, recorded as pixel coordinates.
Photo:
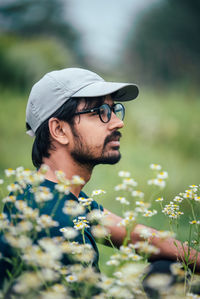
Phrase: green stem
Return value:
(111, 243)
(127, 237)
(12, 276)
(193, 214)
(56, 205)
(82, 232)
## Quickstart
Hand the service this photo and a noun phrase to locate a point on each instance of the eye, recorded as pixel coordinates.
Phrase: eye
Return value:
(104, 112)
(119, 111)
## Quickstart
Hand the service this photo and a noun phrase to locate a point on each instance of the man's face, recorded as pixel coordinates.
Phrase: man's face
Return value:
(95, 142)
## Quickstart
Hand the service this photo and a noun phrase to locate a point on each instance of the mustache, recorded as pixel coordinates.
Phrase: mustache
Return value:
(115, 135)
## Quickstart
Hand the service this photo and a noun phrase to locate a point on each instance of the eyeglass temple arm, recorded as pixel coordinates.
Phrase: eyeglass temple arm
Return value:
(87, 111)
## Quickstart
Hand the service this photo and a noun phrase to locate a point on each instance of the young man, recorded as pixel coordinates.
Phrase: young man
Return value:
(76, 118)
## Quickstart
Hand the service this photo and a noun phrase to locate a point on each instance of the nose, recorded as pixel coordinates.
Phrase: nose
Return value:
(115, 122)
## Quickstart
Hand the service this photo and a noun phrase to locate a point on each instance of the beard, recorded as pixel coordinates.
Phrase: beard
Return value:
(84, 155)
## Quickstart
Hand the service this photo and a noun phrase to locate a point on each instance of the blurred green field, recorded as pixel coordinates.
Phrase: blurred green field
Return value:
(160, 127)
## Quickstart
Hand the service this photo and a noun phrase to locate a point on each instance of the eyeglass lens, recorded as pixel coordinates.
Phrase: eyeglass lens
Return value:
(119, 111)
(105, 112)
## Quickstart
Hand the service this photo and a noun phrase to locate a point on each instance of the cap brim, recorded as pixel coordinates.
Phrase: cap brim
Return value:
(124, 91)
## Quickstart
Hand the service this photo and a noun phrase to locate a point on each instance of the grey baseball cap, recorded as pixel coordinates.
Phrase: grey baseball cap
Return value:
(56, 87)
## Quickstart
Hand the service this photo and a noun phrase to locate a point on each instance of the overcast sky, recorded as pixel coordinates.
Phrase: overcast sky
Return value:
(103, 24)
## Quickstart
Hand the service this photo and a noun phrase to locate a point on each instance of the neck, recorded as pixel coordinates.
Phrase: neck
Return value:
(69, 167)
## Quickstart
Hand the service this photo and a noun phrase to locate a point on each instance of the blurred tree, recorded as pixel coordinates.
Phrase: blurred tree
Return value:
(23, 62)
(164, 47)
(37, 17)
(35, 38)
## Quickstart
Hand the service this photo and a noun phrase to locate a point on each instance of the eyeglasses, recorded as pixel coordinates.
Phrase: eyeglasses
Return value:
(105, 111)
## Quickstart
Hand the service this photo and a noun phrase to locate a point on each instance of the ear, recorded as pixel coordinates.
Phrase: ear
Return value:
(59, 130)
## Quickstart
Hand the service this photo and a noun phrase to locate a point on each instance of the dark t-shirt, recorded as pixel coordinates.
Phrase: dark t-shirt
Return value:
(63, 220)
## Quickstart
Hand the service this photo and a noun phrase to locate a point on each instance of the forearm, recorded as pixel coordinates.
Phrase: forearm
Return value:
(169, 248)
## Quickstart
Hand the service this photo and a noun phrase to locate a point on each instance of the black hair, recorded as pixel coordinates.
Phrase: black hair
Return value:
(42, 143)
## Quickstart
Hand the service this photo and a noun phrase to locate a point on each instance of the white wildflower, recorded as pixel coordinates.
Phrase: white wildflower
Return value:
(9, 172)
(36, 178)
(119, 292)
(106, 282)
(69, 232)
(60, 175)
(178, 199)
(26, 282)
(145, 248)
(159, 281)
(194, 222)
(50, 293)
(50, 247)
(20, 205)
(24, 226)
(137, 193)
(13, 187)
(145, 233)
(129, 215)
(30, 213)
(3, 216)
(159, 199)
(36, 256)
(124, 174)
(162, 175)
(165, 234)
(73, 208)
(77, 180)
(44, 168)
(99, 231)
(150, 213)
(112, 263)
(197, 198)
(122, 200)
(160, 182)
(45, 221)
(85, 201)
(120, 187)
(63, 188)
(98, 192)
(130, 182)
(10, 198)
(81, 223)
(83, 253)
(155, 166)
(43, 194)
(59, 288)
(21, 241)
(95, 215)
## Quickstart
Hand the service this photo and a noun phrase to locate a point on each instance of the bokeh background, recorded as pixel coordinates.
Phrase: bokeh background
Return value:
(154, 43)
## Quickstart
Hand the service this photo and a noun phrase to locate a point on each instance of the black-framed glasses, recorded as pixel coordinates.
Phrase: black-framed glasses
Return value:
(105, 111)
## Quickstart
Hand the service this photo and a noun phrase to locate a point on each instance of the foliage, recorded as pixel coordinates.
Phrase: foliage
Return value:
(35, 38)
(36, 264)
(24, 61)
(28, 18)
(164, 46)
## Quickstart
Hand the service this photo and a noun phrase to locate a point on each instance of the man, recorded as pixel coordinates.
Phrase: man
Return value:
(76, 123)
(75, 118)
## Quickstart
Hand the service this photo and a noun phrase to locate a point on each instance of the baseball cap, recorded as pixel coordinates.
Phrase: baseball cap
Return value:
(56, 87)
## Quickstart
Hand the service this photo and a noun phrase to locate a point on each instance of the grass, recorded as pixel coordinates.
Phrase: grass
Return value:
(159, 128)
